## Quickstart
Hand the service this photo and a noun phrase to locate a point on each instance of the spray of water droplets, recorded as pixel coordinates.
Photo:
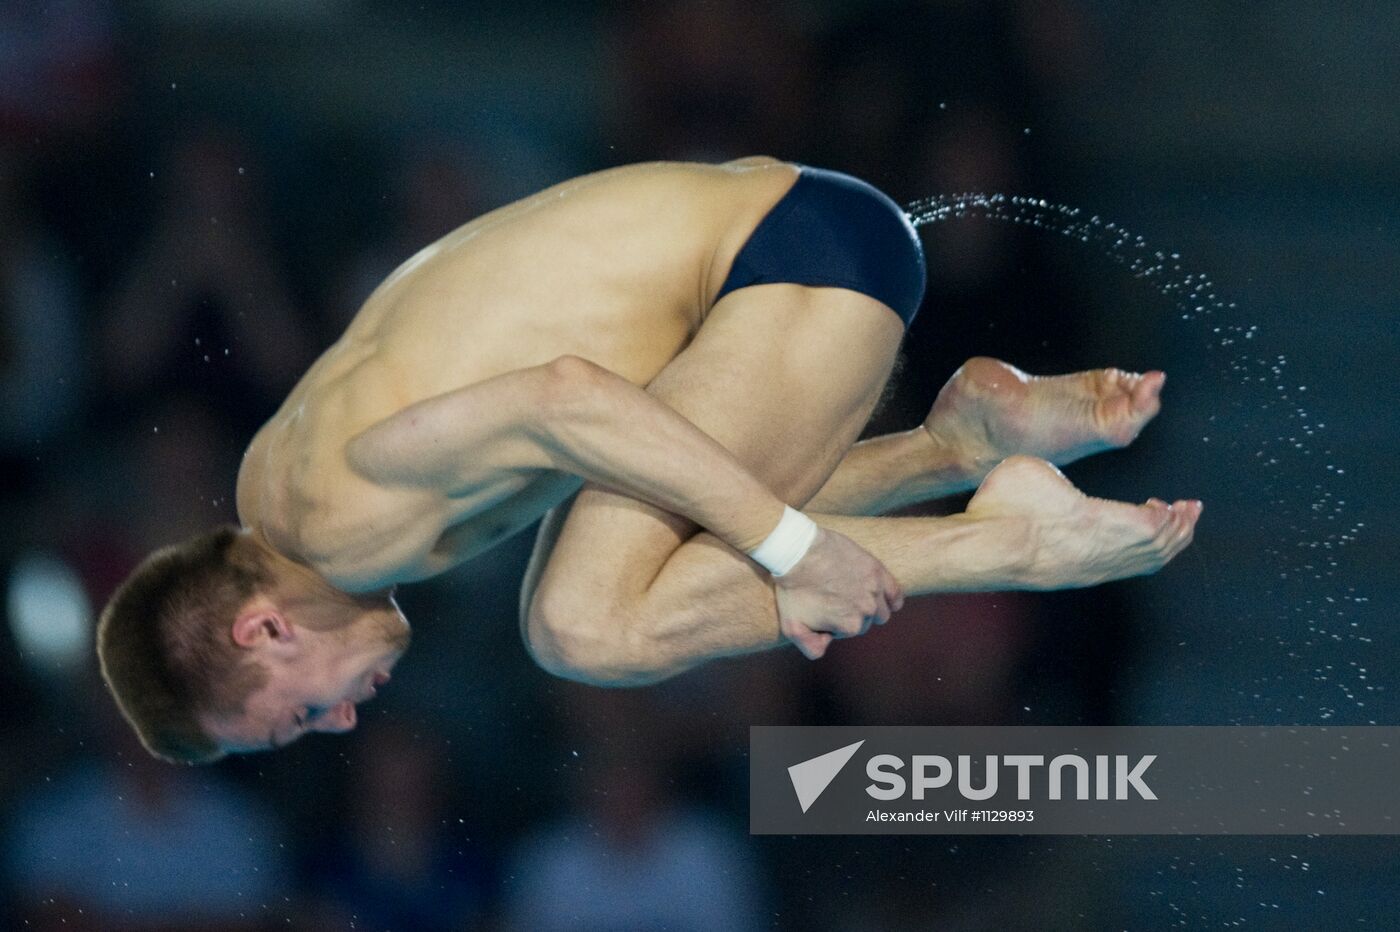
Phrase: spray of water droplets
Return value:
(1306, 561)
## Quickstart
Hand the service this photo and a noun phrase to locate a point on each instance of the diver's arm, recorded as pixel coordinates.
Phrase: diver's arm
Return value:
(575, 417)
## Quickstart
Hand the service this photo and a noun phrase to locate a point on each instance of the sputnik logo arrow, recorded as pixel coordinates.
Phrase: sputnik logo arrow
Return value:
(811, 777)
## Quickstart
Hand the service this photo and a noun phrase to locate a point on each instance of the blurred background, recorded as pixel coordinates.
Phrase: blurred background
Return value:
(194, 199)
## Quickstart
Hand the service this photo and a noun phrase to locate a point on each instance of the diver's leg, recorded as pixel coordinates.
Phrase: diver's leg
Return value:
(987, 411)
(630, 594)
(784, 376)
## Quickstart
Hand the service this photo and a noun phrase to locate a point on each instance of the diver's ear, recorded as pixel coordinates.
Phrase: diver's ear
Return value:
(260, 622)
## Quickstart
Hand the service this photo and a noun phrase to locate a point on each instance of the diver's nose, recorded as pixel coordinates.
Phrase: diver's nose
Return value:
(341, 718)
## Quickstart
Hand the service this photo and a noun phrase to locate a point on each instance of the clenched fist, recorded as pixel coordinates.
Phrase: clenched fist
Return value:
(837, 590)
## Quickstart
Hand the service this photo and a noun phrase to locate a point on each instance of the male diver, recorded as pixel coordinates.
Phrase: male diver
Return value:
(666, 361)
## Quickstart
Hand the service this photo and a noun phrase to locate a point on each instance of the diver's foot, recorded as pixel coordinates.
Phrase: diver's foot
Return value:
(990, 410)
(1074, 539)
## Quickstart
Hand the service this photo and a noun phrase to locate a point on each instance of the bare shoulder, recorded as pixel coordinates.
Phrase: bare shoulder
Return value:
(297, 487)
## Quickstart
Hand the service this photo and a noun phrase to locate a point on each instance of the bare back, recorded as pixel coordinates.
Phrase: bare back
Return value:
(618, 267)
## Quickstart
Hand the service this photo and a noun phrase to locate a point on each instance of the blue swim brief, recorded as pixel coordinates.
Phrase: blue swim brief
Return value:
(834, 230)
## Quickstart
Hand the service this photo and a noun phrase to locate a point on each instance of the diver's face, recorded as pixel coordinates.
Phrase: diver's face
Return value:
(316, 679)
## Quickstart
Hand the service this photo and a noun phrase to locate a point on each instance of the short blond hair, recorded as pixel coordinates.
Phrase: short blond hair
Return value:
(166, 647)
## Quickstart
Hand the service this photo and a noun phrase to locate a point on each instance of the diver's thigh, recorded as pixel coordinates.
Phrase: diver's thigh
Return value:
(785, 377)
(545, 539)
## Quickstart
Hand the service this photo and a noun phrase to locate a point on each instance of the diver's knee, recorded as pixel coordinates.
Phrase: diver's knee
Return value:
(571, 641)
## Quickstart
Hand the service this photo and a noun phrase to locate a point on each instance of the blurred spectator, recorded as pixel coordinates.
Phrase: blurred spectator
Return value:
(179, 462)
(971, 149)
(58, 66)
(435, 189)
(707, 80)
(166, 476)
(120, 840)
(42, 363)
(928, 99)
(947, 659)
(632, 857)
(393, 861)
(204, 306)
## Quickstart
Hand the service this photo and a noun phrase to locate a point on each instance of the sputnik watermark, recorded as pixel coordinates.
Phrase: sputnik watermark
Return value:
(1150, 780)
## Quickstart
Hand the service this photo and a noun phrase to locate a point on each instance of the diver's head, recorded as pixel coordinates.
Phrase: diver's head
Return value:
(221, 645)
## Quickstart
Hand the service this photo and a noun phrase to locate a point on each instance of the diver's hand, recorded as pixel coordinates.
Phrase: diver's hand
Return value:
(836, 590)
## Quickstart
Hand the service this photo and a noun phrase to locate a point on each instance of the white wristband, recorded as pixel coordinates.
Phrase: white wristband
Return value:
(789, 542)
